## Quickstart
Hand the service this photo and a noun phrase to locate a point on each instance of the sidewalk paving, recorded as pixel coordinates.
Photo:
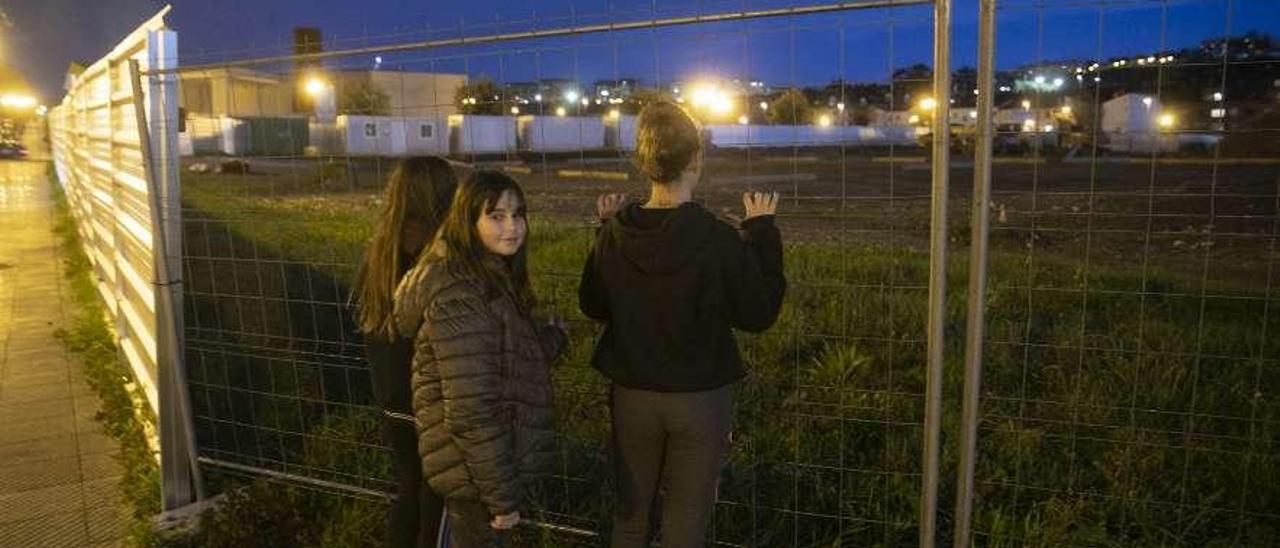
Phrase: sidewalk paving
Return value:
(59, 476)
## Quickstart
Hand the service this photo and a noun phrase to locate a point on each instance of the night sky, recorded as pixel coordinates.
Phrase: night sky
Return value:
(859, 46)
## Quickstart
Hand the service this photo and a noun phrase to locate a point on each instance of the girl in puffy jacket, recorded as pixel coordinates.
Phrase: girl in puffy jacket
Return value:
(414, 204)
(481, 379)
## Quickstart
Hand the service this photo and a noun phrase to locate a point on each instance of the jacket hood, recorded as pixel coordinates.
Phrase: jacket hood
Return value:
(666, 247)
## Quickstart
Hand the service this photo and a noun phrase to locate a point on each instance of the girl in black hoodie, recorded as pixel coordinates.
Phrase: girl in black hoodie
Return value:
(670, 281)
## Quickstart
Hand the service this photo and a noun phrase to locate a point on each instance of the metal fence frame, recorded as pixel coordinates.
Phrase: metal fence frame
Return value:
(110, 167)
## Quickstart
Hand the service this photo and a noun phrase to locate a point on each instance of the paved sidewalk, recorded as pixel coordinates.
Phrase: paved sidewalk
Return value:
(58, 473)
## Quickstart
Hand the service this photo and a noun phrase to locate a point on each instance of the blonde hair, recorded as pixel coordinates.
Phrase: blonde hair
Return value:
(667, 141)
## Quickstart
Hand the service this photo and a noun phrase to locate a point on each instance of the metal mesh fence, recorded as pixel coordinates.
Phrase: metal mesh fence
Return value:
(1130, 354)
(1129, 376)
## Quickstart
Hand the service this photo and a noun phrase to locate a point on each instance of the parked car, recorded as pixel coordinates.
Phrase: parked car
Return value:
(12, 149)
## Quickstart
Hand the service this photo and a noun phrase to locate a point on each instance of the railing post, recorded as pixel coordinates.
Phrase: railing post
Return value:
(937, 272)
(976, 317)
(180, 480)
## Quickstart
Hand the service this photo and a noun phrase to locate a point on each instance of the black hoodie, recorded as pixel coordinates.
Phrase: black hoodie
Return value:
(669, 286)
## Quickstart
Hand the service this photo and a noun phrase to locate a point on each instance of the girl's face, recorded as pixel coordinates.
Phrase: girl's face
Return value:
(502, 228)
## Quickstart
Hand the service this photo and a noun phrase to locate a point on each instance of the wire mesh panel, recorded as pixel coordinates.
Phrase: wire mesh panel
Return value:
(287, 160)
(1129, 355)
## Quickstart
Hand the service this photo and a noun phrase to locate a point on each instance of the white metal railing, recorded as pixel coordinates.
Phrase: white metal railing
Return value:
(114, 146)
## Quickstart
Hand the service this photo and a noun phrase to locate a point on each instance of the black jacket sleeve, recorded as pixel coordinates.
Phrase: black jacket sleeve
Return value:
(593, 298)
(467, 341)
(753, 275)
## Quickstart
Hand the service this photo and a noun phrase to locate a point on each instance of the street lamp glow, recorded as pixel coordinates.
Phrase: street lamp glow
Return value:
(515, 110)
(1048, 128)
(743, 119)
(914, 119)
(1166, 121)
(764, 105)
(604, 92)
(1217, 96)
(721, 104)
(1039, 79)
(315, 86)
(928, 103)
(585, 102)
(1057, 82)
(840, 107)
(17, 100)
(1147, 101)
(571, 96)
(1026, 105)
(614, 114)
(1066, 110)
(537, 97)
(824, 120)
(560, 111)
(702, 95)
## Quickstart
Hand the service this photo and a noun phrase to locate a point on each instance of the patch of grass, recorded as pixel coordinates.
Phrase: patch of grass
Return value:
(269, 514)
(1120, 408)
(124, 415)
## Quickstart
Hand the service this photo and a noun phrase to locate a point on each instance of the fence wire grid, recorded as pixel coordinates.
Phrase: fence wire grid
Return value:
(1131, 391)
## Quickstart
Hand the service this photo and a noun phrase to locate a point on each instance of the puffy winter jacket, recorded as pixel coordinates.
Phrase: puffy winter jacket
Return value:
(481, 387)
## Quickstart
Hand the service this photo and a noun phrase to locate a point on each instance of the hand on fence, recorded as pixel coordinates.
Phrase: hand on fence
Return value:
(758, 204)
(505, 521)
(608, 204)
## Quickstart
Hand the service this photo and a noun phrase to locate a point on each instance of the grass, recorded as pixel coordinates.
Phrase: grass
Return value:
(124, 415)
(1122, 407)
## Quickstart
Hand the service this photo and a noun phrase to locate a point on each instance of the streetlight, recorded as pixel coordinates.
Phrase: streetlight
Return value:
(571, 96)
(743, 119)
(1026, 105)
(1217, 96)
(560, 111)
(764, 105)
(1166, 121)
(515, 111)
(614, 114)
(315, 86)
(928, 103)
(824, 120)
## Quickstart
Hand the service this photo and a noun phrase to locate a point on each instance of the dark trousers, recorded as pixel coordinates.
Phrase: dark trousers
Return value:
(469, 526)
(678, 440)
(416, 511)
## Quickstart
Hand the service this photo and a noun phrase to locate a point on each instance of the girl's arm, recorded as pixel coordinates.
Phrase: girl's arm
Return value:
(593, 299)
(753, 275)
(467, 342)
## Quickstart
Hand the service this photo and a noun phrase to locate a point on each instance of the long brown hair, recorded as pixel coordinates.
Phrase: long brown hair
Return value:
(419, 190)
(458, 244)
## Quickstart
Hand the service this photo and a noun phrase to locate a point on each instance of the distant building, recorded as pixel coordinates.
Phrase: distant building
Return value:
(408, 93)
(1131, 113)
(236, 92)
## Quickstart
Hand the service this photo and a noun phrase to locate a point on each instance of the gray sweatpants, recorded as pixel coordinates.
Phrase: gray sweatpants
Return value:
(679, 439)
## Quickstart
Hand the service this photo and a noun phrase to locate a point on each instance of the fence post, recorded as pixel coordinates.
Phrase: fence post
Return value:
(976, 317)
(937, 272)
(180, 480)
